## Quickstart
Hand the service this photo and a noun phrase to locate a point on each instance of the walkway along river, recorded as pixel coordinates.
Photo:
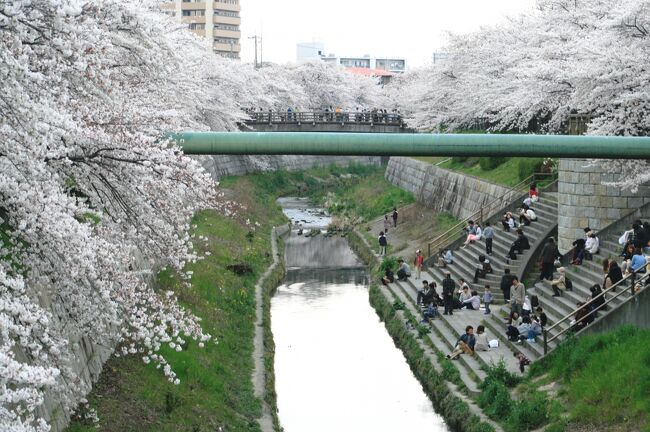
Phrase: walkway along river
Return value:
(336, 367)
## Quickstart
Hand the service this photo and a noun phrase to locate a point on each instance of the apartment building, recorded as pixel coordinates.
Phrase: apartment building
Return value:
(217, 21)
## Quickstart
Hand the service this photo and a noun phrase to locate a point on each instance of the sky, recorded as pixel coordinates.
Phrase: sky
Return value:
(411, 29)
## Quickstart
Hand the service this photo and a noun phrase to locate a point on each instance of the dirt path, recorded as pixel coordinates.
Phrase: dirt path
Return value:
(416, 226)
(258, 377)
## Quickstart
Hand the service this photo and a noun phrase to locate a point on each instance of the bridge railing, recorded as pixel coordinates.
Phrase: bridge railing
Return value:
(322, 117)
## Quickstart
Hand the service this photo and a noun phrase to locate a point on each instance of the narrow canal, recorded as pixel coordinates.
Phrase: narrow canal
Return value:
(336, 367)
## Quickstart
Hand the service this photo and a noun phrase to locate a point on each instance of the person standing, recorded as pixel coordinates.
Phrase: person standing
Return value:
(488, 235)
(448, 289)
(386, 224)
(395, 214)
(383, 242)
(506, 284)
(549, 254)
(518, 295)
(487, 299)
(418, 262)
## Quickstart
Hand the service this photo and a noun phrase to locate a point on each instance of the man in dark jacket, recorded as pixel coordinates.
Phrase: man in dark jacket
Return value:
(506, 283)
(549, 254)
(519, 245)
(448, 289)
(426, 295)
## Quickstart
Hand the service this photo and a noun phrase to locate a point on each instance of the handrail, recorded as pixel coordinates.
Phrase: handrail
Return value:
(631, 276)
(299, 117)
(443, 238)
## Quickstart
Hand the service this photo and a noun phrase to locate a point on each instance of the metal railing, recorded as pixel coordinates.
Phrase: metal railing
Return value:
(643, 281)
(452, 233)
(364, 118)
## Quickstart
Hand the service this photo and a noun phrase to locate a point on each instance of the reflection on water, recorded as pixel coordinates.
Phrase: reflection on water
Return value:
(336, 367)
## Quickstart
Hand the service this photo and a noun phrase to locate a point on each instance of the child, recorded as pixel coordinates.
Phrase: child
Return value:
(386, 224)
(487, 299)
(523, 361)
(543, 319)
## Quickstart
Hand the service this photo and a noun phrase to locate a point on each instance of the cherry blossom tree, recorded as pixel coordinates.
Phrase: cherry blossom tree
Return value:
(93, 199)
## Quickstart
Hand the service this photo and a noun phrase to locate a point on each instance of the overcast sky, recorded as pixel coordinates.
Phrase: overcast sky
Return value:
(411, 29)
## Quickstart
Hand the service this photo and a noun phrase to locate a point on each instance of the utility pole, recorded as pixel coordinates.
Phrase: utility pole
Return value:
(255, 38)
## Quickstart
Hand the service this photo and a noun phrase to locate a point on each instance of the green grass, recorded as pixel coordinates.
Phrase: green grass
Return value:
(604, 378)
(508, 173)
(216, 388)
(366, 197)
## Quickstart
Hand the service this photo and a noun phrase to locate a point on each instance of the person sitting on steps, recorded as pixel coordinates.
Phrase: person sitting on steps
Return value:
(558, 285)
(426, 295)
(482, 343)
(519, 245)
(508, 222)
(403, 271)
(389, 277)
(465, 344)
(579, 248)
(484, 267)
(527, 215)
(592, 246)
(472, 303)
(474, 234)
(614, 275)
(445, 257)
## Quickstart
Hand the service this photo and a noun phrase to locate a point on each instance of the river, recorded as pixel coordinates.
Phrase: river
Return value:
(336, 367)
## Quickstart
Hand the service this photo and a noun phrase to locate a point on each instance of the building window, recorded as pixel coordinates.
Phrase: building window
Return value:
(226, 27)
(197, 26)
(226, 13)
(223, 40)
(187, 13)
(234, 2)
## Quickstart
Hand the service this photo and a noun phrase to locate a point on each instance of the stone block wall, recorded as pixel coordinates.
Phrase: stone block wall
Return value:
(224, 166)
(586, 200)
(446, 191)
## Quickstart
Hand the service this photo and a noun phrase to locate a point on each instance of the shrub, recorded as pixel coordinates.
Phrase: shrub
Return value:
(459, 159)
(529, 166)
(490, 163)
(529, 413)
(495, 399)
(388, 263)
(500, 373)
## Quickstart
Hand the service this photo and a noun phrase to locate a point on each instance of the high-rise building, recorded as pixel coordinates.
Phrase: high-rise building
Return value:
(217, 21)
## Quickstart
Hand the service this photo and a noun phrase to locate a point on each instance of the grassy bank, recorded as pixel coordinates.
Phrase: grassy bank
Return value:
(216, 388)
(593, 383)
(357, 191)
(506, 171)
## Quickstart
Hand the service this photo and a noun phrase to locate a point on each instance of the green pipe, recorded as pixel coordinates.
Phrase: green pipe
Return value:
(386, 144)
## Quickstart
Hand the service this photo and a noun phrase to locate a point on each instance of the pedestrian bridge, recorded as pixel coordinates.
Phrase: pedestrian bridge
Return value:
(322, 121)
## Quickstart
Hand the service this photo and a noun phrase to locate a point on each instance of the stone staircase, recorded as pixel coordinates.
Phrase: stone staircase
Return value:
(447, 329)
(466, 259)
(583, 277)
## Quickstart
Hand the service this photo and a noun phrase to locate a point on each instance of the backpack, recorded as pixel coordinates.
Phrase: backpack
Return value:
(568, 284)
(534, 301)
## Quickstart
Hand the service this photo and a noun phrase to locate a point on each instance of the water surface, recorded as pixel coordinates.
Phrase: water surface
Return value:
(336, 367)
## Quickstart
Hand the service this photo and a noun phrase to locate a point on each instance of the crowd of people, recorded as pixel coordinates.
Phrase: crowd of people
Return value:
(326, 114)
(527, 319)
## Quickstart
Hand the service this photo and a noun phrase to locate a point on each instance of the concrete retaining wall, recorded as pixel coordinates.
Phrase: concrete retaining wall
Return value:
(224, 166)
(443, 190)
(585, 201)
